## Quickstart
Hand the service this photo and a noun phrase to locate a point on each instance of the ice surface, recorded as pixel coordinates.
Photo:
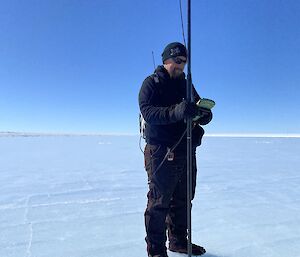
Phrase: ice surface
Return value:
(84, 196)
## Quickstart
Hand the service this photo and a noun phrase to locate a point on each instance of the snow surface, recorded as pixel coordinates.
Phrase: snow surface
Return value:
(84, 196)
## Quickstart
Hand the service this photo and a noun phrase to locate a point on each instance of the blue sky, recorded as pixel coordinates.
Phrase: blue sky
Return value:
(77, 66)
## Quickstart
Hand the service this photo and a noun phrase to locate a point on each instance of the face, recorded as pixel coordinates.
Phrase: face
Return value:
(175, 66)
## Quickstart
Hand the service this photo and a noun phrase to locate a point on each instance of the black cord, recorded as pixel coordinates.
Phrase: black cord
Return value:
(182, 22)
(140, 145)
(170, 150)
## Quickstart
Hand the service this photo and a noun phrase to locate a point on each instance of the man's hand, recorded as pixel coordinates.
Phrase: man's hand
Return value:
(204, 116)
(203, 112)
(186, 110)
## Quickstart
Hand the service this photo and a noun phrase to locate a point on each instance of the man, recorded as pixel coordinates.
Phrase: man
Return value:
(162, 105)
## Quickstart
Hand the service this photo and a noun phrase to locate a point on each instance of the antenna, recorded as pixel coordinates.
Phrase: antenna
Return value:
(153, 59)
(182, 27)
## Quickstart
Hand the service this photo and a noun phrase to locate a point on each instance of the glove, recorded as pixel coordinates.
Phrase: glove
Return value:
(185, 110)
(203, 111)
(204, 116)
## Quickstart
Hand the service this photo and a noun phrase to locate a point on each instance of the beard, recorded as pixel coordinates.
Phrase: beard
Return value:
(176, 73)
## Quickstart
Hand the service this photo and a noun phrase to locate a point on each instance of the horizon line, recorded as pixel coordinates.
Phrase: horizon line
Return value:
(279, 135)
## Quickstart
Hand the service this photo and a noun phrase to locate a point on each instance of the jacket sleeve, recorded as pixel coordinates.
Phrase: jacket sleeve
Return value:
(153, 114)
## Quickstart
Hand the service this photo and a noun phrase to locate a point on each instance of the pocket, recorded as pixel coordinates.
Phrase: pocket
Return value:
(177, 168)
(157, 154)
(155, 150)
(147, 158)
(154, 192)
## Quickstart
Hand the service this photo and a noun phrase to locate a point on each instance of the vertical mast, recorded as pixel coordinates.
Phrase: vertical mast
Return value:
(189, 98)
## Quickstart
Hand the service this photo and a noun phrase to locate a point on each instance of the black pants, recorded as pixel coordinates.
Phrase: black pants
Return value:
(167, 198)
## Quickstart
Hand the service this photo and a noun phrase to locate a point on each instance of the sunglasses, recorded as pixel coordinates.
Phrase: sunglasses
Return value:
(178, 60)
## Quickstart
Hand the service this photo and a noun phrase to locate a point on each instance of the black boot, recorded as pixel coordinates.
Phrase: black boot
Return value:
(159, 255)
(156, 250)
(182, 248)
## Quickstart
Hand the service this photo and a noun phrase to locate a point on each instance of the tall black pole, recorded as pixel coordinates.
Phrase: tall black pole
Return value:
(189, 98)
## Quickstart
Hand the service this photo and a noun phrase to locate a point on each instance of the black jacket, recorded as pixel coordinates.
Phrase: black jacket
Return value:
(158, 97)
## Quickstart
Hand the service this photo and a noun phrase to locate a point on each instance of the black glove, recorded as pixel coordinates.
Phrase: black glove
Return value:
(203, 111)
(185, 110)
(204, 116)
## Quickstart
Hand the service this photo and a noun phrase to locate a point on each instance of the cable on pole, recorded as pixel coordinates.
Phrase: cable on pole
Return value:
(182, 27)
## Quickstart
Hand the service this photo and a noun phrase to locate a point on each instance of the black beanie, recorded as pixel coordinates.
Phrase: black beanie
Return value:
(173, 50)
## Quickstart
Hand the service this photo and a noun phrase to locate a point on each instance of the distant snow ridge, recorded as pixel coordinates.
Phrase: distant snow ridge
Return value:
(104, 143)
(66, 134)
(40, 134)
(291, 135)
